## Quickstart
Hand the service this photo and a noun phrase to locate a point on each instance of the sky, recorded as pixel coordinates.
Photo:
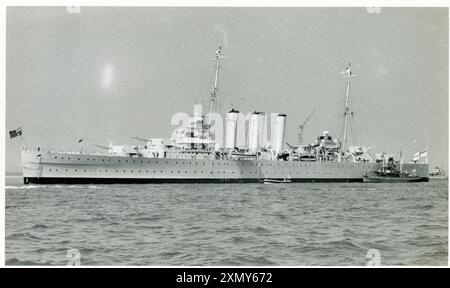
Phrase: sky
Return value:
(107, 74)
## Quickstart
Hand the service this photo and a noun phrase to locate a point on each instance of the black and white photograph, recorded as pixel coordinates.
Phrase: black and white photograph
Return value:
(225, 136)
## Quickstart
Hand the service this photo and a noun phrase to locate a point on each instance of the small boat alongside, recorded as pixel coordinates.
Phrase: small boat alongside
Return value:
(277, 181)
(377, 177)
(438, 174)
(389, 173)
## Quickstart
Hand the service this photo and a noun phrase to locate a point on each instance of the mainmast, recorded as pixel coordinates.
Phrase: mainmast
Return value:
(347, 73)
(217, 58)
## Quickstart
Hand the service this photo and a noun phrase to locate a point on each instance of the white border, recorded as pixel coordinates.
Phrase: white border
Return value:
(232, 3)
(175, 3)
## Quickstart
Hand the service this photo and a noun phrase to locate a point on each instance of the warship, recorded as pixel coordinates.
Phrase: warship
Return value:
(193, 155)
(392, 173)
(438, 174)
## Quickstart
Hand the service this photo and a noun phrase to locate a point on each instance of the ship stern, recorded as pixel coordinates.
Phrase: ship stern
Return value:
(30, 163)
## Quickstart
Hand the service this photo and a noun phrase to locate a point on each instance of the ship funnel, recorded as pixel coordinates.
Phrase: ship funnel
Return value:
(261, 129)
(278, 139)
(253, 131)
(231, 120)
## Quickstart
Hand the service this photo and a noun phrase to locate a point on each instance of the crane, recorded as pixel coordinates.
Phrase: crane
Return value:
(302, 127)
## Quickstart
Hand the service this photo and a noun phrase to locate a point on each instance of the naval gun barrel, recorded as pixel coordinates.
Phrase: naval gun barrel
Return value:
(101, 146)
(141, 139)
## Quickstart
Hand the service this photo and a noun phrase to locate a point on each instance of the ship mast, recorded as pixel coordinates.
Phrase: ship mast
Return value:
(213, 95)
(347, 73)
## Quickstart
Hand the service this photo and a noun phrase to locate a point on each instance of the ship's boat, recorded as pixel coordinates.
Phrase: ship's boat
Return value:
(438, 174)
(277, 181)
(390, 173)
(375, 177)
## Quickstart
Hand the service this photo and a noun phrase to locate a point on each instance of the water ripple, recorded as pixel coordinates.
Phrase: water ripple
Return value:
(252, 224)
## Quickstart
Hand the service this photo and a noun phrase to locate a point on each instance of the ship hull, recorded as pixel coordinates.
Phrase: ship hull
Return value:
(276, 181)
(382, 179)
(63, 180)
(74, 168)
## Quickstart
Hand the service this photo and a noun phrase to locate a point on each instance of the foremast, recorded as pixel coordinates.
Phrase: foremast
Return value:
(213, 95)
(347, 73)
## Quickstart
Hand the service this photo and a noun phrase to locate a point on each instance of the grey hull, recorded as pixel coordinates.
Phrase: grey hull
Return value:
(61, 180)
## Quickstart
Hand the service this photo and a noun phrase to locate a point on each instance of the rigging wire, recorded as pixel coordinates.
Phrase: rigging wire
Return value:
(201, 94)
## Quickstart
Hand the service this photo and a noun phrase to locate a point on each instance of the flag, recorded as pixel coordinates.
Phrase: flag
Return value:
(346, 71)
(15, 133)
(219, 52)
(81, 140)
(423, 153)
